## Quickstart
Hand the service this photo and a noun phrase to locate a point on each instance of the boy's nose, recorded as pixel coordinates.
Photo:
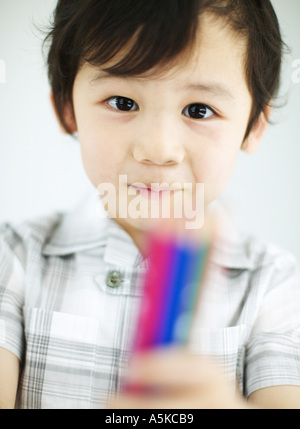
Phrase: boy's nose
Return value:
(160, 143)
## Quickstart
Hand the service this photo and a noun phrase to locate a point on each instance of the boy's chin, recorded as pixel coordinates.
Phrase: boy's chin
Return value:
(140, 224)
(149, 225)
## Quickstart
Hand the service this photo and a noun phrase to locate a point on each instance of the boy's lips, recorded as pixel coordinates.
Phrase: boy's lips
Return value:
(155, 190)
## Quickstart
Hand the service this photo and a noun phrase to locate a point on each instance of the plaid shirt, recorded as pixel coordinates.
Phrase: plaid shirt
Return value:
(69, 295)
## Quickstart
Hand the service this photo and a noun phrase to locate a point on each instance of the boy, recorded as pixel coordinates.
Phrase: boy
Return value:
(159, 92)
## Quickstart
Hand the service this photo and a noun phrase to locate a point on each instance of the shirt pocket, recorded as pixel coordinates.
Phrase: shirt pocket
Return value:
(225, 346)
(59, 370)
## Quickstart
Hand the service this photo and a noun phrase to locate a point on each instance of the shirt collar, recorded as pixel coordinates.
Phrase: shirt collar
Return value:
(88, 226)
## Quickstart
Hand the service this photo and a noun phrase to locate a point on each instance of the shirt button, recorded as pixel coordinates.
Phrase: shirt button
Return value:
(114, 279)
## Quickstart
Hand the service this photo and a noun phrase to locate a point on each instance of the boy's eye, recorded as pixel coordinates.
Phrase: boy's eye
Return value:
(122, 103)
(198, 111)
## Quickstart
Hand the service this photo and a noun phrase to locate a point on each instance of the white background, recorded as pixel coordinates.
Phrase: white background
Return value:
(41, 170)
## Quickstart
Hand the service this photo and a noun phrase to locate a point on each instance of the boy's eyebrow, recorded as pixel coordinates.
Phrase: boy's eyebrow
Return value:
(210, 88)
(96, 78)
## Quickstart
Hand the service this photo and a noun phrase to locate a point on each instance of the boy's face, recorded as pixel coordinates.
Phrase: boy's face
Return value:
(184, 126)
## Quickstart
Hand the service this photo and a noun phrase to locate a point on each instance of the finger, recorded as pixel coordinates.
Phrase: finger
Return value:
(171, 400)
(171, 368)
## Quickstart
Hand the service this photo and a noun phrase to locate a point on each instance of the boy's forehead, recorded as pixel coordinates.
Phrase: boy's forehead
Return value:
(194, 83)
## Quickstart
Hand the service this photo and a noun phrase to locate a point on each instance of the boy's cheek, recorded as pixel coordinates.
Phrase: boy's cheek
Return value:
(98, 153)
(215, 173)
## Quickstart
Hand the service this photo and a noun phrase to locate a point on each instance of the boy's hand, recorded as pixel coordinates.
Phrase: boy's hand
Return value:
(173, 378)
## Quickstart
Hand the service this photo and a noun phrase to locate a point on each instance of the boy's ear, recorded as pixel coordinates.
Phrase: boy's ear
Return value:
(252, 142)
(68, 116)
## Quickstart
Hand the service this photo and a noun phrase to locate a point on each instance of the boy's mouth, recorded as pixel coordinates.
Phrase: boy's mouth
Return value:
(154, 190)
